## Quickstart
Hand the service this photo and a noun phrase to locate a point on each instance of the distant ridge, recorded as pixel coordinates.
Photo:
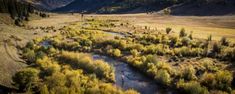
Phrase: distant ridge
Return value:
(85, 5)
(191, 7)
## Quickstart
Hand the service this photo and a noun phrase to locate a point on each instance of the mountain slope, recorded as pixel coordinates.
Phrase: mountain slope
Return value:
(180, 7)
(85, 5)
(50, 4)
(203, 10)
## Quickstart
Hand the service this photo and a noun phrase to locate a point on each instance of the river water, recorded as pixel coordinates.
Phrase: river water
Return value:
(129, 78)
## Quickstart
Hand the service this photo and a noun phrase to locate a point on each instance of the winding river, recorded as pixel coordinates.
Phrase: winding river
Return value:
(129, 78)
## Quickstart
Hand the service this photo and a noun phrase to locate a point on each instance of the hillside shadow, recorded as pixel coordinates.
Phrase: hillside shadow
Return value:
(203, 10)
(7, 90)
(186, 9)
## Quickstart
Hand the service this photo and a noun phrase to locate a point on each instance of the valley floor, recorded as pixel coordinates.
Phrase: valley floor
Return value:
(201, 26)
(11, 36)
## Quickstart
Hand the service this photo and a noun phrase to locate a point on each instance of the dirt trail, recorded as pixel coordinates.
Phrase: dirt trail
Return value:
(13, 57)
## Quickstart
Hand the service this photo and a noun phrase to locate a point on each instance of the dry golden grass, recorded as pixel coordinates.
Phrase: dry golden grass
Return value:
(10, 61)
(202, 27)
(56, 20)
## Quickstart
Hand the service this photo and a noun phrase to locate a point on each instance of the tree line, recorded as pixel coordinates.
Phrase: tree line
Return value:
(170, 2)
(17, 10)
(124, 5)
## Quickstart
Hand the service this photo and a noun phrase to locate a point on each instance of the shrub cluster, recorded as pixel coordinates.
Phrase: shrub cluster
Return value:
(50, 77)
(192, 87)
(85, 62)
(220, 80)
(141, 50)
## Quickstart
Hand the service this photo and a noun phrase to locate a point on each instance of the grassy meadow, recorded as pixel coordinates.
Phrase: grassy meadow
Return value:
(58, 53)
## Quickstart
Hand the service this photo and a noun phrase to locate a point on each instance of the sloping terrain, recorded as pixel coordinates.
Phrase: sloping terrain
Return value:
(205, 8)
(10, 61)
(13, 36)
(50, 4)
(85, 5)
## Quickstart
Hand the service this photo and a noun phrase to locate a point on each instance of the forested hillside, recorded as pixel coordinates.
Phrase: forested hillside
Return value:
(49, 4)
(18, 11)
(128, 6)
